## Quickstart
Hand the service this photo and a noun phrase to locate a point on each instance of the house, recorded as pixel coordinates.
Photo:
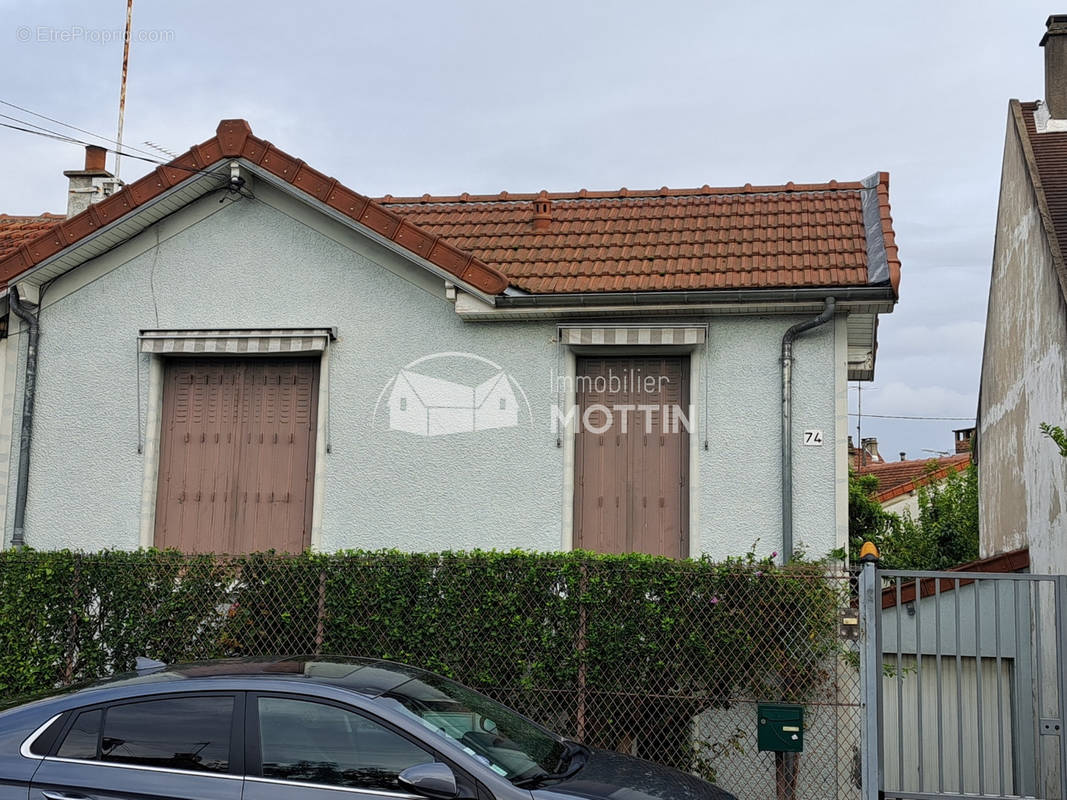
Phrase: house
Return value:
(899, 481)
(236, 352)
(864, 455)
(1022, 477)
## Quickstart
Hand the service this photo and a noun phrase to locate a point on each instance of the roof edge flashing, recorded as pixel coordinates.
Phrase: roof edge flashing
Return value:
(853, 293)
(877, 257)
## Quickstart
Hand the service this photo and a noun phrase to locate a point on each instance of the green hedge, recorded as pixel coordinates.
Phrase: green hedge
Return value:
(612, 648)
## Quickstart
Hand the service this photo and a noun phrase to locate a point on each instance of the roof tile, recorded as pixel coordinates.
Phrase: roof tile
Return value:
(778, 236)
(899, 477)
(26, 241)
(1050, 156)
(804, 235)
(17, 231)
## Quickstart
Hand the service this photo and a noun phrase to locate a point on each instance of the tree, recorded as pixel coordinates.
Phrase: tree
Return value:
(1056, 434)
(867, 520)
(945, 533)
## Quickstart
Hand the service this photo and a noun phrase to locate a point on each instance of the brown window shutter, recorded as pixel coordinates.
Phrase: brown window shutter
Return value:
(237, 454)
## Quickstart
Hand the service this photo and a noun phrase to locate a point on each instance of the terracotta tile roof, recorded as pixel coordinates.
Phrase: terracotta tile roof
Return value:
(17, 231)
(790, 236)
(234, 139)
(1012, 561)
(796, 235)
(900, 477)
(1049, 155)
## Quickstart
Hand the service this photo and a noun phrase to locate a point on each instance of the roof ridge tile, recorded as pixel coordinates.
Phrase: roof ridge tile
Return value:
(233, 138)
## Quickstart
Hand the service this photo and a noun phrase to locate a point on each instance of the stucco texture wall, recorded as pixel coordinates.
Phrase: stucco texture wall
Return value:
(1021, 475)
(272, 262)
(740, 472)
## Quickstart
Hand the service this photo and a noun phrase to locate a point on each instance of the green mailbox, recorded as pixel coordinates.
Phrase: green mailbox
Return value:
(780, 727)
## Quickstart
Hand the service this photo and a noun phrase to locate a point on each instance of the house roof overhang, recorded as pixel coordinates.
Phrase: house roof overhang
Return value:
(486, 291)
(206, 168)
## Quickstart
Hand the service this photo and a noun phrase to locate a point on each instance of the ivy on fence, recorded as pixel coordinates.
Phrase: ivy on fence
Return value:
(613, 649)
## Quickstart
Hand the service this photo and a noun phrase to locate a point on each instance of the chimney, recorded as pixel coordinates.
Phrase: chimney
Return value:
(89, 185)
(542, 217)
(964, 439)
(870, 450)
(903, 456)
(1055, 43)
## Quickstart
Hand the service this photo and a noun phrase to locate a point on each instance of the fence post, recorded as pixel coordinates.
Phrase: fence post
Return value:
(1061, 690)
(870, 674)
(72, 629)
(580, 648)
(320, 613)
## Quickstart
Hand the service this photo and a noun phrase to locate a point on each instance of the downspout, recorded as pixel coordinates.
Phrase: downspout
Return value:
(18, 537)
(787, 422)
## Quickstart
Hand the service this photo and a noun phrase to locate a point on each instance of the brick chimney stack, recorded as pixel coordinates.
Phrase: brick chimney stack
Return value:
(964, 439)
(91, 184)
(869, 446)
(1055, 44)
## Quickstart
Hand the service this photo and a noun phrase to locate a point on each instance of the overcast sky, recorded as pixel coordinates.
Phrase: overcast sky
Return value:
(446, 97)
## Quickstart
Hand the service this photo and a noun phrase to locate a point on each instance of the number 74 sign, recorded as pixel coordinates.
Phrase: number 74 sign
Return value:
(813, 438)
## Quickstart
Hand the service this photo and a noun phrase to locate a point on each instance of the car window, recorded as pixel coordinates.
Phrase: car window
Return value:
(191, 733)
(318, 743)
(83, 738)
(508, 743)
(179, 732)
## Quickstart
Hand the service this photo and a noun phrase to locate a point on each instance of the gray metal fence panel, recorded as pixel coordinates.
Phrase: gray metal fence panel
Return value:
(965, 684)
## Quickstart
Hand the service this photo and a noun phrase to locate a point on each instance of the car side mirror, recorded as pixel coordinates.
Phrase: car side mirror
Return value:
(430, 780)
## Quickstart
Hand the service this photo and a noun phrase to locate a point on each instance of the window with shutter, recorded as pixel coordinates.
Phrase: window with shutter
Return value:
(237, 454)
(631, 489)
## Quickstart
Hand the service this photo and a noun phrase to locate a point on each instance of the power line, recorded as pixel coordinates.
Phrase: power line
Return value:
(38, 127)
(58, 136)
(67, 125)
(51, 134)
(62, 137)
(902, 416)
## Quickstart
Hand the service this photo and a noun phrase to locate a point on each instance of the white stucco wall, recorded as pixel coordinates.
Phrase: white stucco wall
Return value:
(904, 504)
(1022, 477)
(274, 262)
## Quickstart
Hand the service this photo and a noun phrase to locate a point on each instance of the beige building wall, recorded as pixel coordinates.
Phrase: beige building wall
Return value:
(1022, 477)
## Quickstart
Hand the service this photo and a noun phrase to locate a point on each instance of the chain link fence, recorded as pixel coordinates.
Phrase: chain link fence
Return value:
(661, 659)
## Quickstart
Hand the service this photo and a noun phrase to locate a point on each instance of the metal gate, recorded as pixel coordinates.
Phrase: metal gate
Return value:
(965, 673)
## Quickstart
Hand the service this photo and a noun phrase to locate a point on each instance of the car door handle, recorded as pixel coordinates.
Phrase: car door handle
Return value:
(63, 796)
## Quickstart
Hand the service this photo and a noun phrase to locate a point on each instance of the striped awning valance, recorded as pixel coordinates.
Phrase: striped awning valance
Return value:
(627, 335)
(247, 341)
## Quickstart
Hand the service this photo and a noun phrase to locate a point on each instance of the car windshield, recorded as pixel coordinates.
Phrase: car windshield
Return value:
(508, 743)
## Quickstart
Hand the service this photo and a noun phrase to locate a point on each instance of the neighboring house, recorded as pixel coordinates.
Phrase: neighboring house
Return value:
(1022, 477)
(237, 353)
(17, 231)
(899, 481)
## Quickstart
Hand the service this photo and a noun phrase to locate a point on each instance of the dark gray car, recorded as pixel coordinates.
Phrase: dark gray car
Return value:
(304, 728)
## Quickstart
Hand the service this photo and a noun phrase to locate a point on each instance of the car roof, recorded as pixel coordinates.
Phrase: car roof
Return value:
(370, 677)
